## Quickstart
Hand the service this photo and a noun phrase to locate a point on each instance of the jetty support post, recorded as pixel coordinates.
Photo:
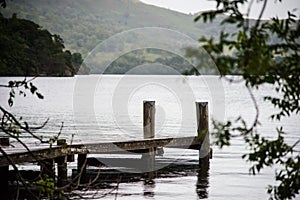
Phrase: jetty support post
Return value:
(48, 168)
(4, 141)
(81, 166)
(202, 131)
(62, 168)
(4, 194)
(4, 182)
(149, 132)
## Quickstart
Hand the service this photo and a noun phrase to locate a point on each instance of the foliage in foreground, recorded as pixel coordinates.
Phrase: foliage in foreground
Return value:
(260, 61)
(43, 185)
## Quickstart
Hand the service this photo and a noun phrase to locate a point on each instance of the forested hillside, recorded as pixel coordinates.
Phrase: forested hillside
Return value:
(83, 24)
(28, 50)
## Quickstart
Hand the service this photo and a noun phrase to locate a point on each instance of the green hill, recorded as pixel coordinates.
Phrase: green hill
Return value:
(28, 50)
(83, 24)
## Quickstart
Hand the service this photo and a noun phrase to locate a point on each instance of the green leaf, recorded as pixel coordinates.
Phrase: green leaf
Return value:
(39, 95)
(10, 102)
(33, 89)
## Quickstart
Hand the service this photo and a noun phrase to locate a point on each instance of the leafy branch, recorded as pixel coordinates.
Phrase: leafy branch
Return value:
(24, 85)
(264, 52)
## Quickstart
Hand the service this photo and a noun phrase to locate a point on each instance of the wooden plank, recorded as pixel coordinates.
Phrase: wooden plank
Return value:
(47, 153)
(41, 154)
(183, 142)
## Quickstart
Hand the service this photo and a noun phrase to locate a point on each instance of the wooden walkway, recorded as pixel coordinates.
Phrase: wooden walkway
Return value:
(44, 152)
(63, 153)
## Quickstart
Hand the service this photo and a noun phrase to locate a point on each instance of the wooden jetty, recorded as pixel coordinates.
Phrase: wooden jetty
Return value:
(61, 153)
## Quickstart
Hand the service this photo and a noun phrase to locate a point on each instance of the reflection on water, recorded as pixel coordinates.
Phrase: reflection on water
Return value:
(161, 184)
(203, 180)
(149, 186)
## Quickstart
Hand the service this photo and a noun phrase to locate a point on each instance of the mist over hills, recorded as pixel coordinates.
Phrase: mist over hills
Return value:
(83, 24)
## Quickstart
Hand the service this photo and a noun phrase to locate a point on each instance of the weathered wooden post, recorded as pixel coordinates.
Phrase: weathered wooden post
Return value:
(202, 131)
(149, 132)
(4, 183)
(81, 165)
(204, 151)
(149, 119)
(62, 168)
(4, 141)
(48, 168)
(4, 194)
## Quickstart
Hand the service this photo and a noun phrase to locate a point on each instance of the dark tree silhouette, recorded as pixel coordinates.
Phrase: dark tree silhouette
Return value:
(29, 50)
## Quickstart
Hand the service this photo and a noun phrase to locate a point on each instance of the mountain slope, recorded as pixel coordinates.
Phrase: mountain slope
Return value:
(83, 24)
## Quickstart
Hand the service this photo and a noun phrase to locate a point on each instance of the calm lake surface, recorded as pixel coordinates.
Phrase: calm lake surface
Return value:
(109, 108)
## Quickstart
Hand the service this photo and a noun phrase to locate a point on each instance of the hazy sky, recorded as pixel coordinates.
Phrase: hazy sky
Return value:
(193, 6)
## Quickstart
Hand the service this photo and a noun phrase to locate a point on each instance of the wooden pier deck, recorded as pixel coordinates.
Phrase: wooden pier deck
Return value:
(19, 155)
(61, 153)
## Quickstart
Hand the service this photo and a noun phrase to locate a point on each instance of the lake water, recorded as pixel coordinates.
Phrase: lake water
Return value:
(109, 108)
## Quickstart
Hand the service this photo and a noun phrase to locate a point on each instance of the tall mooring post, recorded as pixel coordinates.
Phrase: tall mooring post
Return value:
(149, 119)
(202, 131)
(149, 132)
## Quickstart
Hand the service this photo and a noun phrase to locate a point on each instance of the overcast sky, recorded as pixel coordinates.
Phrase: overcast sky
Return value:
(193, 6)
